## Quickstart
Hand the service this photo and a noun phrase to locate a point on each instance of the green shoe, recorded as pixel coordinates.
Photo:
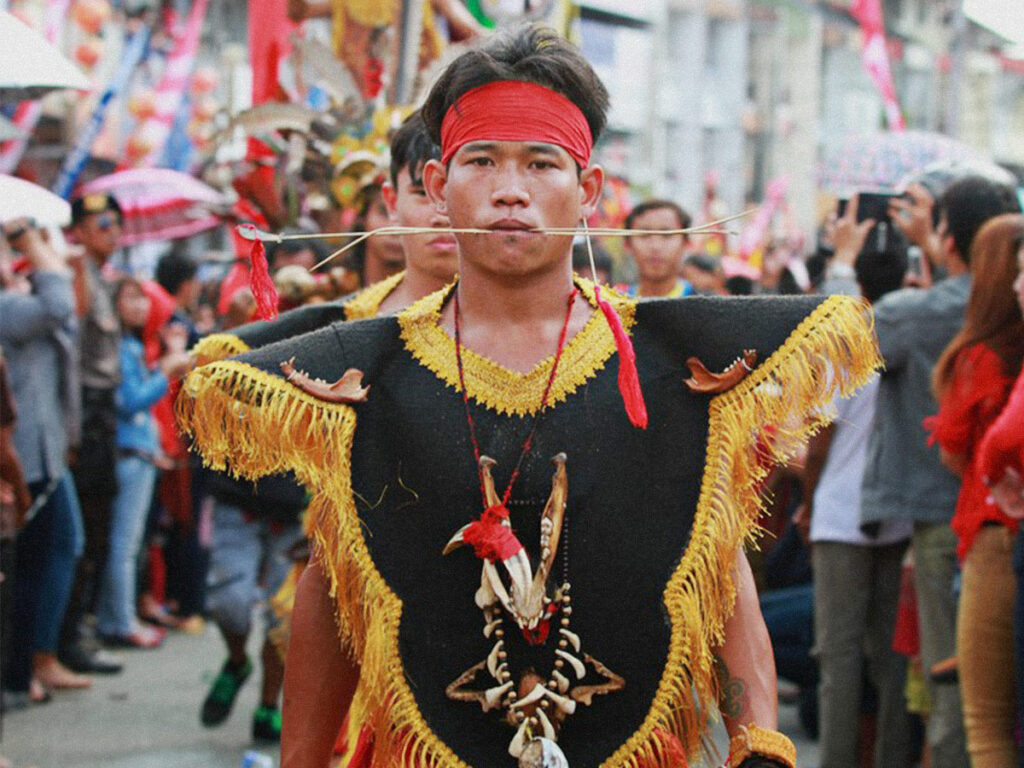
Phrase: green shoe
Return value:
(221, 697)
(266, 724)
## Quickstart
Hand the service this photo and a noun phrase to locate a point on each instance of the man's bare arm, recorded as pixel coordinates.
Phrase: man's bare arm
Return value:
(746, 664)
(319, 677)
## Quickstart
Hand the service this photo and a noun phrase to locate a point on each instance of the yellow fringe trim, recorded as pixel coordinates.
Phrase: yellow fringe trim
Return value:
(264, 425)
(366, 303)
(502, 389)
(217, 346)
(832, 351)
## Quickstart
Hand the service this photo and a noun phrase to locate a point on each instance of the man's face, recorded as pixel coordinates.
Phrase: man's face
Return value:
(511, 187)
(1018, 284)
(658, 257)
(434, 254)
(386, 249)
(189, 293)
(99, 233)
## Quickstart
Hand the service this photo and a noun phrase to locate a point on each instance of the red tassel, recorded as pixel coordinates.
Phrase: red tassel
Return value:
(629, 380)
(490, 538)
(262, 286)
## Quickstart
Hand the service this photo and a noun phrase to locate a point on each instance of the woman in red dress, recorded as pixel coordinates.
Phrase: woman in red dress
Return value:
(972, 381)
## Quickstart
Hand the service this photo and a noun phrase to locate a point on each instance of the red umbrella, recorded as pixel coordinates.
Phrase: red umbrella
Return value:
(160, 204)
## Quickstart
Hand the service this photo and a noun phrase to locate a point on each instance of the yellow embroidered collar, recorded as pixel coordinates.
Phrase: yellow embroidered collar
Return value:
(367, 302)
(497, 387)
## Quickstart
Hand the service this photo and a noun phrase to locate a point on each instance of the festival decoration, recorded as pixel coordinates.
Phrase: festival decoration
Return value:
(91, 15)
(88, 52)
(151, 136)
(142, 105)
(875, 57)
(204, 80)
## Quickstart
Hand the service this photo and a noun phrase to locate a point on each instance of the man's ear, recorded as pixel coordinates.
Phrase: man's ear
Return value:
(435, 179)
(591, 184)
(389, 195)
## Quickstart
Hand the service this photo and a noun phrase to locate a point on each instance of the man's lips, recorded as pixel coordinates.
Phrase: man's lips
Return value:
(510, 225)
(443, 243)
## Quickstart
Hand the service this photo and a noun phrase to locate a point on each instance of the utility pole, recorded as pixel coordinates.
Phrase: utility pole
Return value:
(957, 65)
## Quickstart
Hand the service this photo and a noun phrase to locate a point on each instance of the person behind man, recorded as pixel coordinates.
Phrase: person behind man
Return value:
(36, 336)
(241, 541)
(658, 258)
(465, 374)
(856, 574)
(904, 479)
(96, 225)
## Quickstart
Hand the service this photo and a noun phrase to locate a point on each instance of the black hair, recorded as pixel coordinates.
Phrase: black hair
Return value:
(533, 54)
(881, 271)
(738, 285)
(296, 246)
(969, 203)
(581, 259)
(684, 218)
(411, 148)
(174, 270)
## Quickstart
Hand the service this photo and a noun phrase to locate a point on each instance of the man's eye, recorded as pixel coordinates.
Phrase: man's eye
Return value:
(543, 164)
(480, 161)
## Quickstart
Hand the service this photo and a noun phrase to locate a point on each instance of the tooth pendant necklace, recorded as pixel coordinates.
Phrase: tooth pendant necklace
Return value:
(534, 705)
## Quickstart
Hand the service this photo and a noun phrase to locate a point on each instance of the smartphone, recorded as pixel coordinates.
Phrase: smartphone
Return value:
(874, 205)
(914, 258)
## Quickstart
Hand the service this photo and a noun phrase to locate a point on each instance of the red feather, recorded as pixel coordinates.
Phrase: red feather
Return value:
(263, 289)
(629, 379)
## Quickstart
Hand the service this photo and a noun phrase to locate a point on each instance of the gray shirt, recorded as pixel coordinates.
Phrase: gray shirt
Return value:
(100, 335)
(30, 332)
(903, 479)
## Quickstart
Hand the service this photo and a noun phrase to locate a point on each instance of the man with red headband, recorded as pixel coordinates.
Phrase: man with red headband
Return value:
(530, 497)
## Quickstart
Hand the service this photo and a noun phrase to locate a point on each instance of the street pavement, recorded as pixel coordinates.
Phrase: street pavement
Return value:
(148, 716)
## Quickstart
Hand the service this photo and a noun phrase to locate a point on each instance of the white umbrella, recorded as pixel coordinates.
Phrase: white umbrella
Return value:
(23, 199)
(30, 66)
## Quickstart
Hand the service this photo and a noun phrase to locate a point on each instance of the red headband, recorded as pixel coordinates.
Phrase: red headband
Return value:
(514, 110)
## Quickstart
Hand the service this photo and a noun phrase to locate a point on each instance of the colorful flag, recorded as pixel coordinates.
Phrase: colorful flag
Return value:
(875, 57)
(152, 135)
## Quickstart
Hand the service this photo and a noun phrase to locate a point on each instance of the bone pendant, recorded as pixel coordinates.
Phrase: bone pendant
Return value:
(492, 658)
(562, 680)
(518, 743)
(542, 753)
(492, 696)
(546, 726)
(577, 665)
(572, 637)
(491, 626)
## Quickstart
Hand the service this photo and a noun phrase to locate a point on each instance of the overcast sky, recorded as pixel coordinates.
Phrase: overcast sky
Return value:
(1006, 17)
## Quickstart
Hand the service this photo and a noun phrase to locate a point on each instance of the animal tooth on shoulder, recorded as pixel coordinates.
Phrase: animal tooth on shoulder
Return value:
(492, 657)
(546, 726)
(562, 680)
(518, 743)
(493, 625)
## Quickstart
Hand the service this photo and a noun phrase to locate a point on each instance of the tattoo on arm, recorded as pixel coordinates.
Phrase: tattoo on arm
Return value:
(733, 696)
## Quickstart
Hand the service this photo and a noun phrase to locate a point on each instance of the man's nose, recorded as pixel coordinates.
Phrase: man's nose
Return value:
(509, 188)
(438, 219)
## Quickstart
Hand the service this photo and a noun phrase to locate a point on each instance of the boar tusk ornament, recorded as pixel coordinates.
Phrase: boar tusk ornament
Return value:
(535, 706)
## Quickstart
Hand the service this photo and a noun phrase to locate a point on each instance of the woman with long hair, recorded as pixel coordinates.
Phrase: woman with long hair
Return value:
(972, 381)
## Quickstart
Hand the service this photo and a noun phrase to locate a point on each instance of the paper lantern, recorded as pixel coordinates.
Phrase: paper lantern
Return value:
(91, 15)
(88, 52)
(142, 105)
(204, 80)
(137, 148)
(205, 108)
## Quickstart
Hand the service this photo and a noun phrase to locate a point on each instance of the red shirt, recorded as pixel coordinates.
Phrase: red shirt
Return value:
(973, 401)
(1003, 445)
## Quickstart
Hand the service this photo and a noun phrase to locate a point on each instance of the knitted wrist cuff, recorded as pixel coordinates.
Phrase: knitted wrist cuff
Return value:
(761, 742)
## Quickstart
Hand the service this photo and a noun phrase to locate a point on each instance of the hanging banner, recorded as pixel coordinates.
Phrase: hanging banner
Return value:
(134, 53)
(27, 114)
(875, 57)
(150, 138)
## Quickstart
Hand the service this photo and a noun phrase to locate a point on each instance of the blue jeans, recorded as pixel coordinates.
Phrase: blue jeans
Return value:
(115, 613)
(46, 551)
(248, 564)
